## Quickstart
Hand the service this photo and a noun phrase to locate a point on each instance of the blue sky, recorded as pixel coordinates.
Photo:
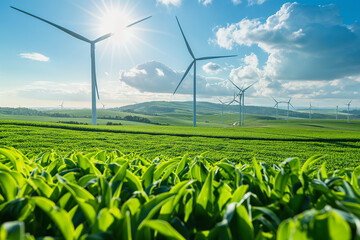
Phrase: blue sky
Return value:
(307, 50)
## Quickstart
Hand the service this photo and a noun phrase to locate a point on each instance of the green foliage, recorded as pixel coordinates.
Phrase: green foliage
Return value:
(112, 195)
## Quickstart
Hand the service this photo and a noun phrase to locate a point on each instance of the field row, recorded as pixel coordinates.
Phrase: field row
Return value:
(33, 140)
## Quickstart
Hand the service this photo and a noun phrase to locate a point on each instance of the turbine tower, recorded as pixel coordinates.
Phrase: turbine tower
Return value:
(310, 111)
(61, 105)
(277, 107)
(193, 63)
(94, 87)
(348, 110)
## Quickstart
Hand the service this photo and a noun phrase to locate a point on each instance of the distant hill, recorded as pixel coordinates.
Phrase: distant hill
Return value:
(207, 108)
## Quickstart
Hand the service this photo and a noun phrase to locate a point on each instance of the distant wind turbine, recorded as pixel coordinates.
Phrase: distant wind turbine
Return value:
(310, 111)
(103, 105)
(61, 105)
(288, 108)
(222, 109)
(193, 63)
(241, 102)
(337, 112)
(94, 87)
(277, 107)
(348, 110)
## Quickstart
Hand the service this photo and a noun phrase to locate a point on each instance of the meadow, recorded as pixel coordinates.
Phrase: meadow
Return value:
(271, 179)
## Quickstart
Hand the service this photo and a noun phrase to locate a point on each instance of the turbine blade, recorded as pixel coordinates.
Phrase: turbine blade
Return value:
(235, 85)
(231, 102)
(134, 23)
(350, 102)
(78, 36)
(207, 58)
(103, 37)
(292, 106)
(275, 100)
(187, 44)
(97, 90)
(249, 86)
(186, 72)
(220, 101)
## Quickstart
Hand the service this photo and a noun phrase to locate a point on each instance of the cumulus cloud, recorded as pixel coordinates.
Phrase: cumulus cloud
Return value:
(205, 2)
(156, 77)
(170, 2)
(35, 57)
(303, 42)
(212, 68)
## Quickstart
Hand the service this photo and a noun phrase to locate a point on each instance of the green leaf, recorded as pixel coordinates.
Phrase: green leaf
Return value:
(59, 216)
(206, 197)
(338, 227)
(148, 176)
(8, 186)
(164, 228)
(12, 231)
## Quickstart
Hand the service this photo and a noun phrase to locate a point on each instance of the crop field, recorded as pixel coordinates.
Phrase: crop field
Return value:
(74, 182)
(113, 195)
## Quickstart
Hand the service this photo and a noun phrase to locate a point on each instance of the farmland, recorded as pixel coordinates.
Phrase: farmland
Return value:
(173, 182)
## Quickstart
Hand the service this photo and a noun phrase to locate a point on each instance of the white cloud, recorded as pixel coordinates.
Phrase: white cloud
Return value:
(170, 2)
(35, 57)
(168, 79)
(303, 42)
(236, 2)
(212, 68)
(255, 2)
(205, 2)
(160, 72)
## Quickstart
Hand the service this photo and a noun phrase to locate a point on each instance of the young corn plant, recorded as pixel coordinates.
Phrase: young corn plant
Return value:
(111, 195)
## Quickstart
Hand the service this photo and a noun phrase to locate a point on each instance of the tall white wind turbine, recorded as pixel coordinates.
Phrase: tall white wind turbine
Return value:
(61, 105)
(337, 112)
(94, 87)
(193, 63)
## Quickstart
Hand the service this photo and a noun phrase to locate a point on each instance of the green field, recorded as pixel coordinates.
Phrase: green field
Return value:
(152, 182)
(270, 143)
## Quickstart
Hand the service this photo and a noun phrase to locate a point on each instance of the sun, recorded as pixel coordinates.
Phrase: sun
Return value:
(116, 21)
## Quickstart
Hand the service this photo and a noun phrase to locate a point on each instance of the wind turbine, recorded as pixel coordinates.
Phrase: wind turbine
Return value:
(94, 87)
(348, 110)
(276, 106)
(288, 108)
(103, 105)
(337, 112)
(61, 105)
(193, 63)
(222, 109)
(310, 112)
(241, 102)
